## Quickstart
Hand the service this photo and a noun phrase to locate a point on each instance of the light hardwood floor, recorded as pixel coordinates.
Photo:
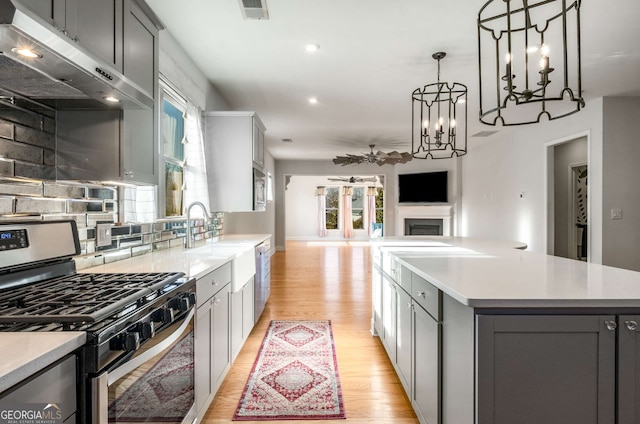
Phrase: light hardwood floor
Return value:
(327, 280)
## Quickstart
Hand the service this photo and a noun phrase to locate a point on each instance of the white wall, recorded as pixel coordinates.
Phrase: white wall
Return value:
(621, 238)
(513, 163)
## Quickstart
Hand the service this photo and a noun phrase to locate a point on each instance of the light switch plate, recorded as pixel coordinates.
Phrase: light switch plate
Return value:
(616, 213)
(103, 235)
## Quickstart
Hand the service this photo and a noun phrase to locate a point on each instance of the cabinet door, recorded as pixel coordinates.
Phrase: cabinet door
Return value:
(258, 144)
(545, 369)
(97, 26)
(139, 147)
(52, 11)
(426, 360)
(376, 306)
(389, 316)
(140, 62)
(203, 355)
(629, 369)
(247, 309)
(221, 335)
(403, 339)
(236, 323)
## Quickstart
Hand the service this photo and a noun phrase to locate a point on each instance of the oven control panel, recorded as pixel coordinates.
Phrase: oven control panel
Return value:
(13, 239)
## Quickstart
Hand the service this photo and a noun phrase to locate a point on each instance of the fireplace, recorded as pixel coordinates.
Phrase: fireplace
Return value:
(424, 220)
(423, 227)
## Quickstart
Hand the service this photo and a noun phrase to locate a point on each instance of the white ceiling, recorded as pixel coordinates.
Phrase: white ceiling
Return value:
(372, 55)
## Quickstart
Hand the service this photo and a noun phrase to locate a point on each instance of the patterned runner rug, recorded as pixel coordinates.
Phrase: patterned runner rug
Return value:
(295, 376)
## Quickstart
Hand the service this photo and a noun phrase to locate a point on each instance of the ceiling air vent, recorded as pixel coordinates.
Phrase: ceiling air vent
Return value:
(254, 9)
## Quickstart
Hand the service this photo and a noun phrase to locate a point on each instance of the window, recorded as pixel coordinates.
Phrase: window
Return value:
(269, 187)
(357, 208)
(172, 133)
(332, 207)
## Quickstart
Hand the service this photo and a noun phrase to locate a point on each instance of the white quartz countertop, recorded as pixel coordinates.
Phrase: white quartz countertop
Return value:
(24, 354)
(195, 262)
(486, 274)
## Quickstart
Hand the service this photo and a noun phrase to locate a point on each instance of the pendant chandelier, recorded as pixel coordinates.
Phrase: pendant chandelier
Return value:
(529, 60)
(439, 119)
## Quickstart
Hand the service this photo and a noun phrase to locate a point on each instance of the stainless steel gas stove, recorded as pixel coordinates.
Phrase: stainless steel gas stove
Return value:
(133, 321)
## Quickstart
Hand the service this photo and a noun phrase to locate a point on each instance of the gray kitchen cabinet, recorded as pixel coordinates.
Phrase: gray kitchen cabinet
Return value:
(140, 57)
(212, 335)
(221, 337)
(229, 153)
(404, 338)
(107, 145)
(629, 369)
(241, 317)
(116, 32)
(552, 369)
(96, 25)
(426, 360)
(56, 384)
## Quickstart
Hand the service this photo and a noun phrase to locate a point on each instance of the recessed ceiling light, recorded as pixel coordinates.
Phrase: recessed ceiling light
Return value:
(112, 99)
(26, 52)
(312, 47)
(313, 100)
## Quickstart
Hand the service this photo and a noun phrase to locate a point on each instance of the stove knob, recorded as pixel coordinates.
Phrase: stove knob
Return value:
(183, 304)
(130, 342)
(164, 315)
(192, 298)
(147, 330)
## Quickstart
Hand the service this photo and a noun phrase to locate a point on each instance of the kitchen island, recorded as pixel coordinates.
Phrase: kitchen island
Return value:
(483, 333)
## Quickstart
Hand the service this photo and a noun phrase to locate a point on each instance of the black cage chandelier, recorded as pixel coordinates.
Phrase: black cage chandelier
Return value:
(439, 119)
(529, 57)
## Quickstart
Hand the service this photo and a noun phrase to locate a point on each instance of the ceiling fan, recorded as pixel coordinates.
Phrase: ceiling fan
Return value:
(353, 179)
(380, 158)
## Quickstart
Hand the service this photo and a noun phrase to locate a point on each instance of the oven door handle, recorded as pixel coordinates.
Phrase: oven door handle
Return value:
(129, 366)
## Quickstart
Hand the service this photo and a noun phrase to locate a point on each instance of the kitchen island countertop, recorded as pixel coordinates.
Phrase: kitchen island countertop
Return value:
(486, 274)
(24, 354)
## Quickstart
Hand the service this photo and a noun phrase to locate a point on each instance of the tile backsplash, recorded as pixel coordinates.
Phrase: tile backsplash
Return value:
(89, 205)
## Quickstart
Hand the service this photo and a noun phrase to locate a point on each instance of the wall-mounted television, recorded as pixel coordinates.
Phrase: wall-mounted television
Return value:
(424, 187)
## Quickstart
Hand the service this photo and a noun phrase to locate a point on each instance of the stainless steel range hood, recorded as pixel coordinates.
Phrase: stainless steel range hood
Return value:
(66, 73)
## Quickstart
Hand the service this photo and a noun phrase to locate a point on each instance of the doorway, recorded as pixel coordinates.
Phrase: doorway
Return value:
(568, 198)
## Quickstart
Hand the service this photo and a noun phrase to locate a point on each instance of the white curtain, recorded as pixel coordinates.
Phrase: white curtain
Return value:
(195, 170)
(321, 193)
(347, 215)
(371, 209)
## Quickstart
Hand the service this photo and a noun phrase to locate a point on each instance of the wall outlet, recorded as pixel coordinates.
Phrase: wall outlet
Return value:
(616, 213)
(103, 235)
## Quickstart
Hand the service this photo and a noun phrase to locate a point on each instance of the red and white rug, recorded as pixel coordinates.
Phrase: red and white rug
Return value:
(295, 376)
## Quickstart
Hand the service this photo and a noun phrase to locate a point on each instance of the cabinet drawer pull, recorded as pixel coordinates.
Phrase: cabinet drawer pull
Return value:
(611, 325)
(409, 305)
(631, 325)
(422, 294)
(214, 283)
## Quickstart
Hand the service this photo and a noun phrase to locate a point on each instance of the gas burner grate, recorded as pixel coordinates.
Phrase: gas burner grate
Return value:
(81, 298)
